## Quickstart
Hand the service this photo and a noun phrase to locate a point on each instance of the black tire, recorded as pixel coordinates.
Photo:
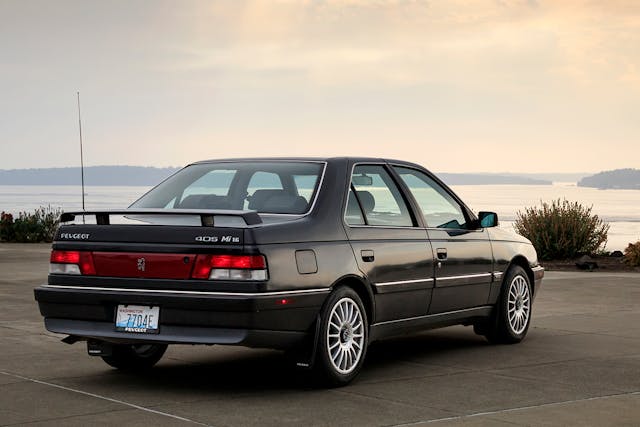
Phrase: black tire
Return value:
(512, 315)
(342, 343)
(134, 357)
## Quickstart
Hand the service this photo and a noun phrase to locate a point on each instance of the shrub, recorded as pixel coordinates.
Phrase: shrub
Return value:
(562, 229)
(632, 254)
(6, 227)
(39, 226)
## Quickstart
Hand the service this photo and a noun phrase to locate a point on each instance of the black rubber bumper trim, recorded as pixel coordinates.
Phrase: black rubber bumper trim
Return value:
(198, 301)
(253, 320)
(177, 334)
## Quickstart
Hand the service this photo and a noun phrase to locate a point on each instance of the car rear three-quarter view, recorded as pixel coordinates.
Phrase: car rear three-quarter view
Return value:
(320, 257)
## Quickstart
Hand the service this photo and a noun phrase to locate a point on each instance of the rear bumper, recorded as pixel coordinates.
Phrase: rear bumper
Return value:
(249, 319)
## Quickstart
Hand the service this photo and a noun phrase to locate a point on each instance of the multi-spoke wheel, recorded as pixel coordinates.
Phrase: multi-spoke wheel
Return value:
(512, 316)
(345, 335)
(518, 304)
(343, 340)
(132, 357)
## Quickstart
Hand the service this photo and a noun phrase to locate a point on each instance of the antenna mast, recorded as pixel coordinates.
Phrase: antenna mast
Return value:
(81, 156)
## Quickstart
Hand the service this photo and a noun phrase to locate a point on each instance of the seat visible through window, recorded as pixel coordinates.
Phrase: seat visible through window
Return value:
(205, 201)
(277, 201)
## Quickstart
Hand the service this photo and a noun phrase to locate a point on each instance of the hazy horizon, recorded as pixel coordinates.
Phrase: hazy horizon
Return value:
(509, 86)
(478, 172)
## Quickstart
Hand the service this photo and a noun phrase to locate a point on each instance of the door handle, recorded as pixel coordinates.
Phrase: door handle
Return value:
(367, 255)
(442, 254)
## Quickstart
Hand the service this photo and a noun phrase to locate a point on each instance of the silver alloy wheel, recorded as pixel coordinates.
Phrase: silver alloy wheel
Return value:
(518, 304)
(345, 335)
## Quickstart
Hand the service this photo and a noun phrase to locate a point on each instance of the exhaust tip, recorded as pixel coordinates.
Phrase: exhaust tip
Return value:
(71, 339)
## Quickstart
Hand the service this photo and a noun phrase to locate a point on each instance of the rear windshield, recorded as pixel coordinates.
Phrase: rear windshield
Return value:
(266, 187)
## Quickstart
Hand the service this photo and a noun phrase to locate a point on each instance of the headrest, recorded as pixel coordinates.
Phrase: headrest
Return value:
(285, 203)
(259, 197)
(367, 200)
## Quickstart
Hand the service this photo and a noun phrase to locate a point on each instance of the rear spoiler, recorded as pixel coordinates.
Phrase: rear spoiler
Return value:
(206, 215)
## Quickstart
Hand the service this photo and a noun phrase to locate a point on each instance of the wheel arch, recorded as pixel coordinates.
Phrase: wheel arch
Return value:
(521, 261)
(364, 291)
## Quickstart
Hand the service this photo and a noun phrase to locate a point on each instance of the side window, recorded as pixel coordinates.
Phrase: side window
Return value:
(378, 197)
(439, 208)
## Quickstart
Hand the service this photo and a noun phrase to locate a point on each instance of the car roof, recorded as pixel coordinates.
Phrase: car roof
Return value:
(353, 159)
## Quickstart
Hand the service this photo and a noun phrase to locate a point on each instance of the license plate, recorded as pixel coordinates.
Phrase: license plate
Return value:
(137, 318)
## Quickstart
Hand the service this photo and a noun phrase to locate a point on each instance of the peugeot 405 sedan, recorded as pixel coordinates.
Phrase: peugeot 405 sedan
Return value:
(320, 257)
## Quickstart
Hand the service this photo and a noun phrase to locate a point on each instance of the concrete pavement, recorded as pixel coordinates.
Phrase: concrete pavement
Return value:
(580, 365)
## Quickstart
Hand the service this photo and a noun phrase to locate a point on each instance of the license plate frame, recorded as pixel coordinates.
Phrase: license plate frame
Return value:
(137, 319)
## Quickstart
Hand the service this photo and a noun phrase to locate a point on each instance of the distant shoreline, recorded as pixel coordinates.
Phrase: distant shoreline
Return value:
(141, 176)
(150, 176)
(93, 176)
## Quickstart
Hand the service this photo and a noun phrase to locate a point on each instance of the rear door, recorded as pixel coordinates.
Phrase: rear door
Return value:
(391, 250)
(464, 259)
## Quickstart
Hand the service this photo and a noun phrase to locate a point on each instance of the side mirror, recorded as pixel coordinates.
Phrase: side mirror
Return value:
(488, 219)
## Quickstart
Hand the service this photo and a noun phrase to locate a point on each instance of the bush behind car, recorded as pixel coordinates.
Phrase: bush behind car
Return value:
(30, 227)
(562, 229)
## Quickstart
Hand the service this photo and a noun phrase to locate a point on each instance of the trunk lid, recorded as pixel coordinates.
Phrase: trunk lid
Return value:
(151, 244)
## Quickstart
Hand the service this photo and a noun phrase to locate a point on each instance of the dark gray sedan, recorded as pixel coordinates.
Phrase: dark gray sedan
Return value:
(317, 256)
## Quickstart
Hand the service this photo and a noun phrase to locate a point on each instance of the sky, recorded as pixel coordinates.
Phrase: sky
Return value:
(456, 85)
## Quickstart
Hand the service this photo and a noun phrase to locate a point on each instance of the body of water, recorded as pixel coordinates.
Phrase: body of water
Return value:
(18, 198)
(621, 208)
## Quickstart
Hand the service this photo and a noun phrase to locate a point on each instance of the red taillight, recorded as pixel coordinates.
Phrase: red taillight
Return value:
(84, 260)
(237, 261)
(205, 263)
(65, 257)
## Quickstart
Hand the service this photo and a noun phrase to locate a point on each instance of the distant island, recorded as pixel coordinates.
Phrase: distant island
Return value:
(489, 179)
(93, 175)
(628, 179)
(147, 176)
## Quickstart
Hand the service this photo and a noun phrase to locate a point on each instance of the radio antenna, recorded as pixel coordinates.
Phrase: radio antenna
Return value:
(81, 156)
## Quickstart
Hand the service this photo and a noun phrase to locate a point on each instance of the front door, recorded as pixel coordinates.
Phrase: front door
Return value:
(463, 255)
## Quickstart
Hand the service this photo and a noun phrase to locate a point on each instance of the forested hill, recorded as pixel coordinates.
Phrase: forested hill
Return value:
(489, 179)
(93, 175)
(619, 178)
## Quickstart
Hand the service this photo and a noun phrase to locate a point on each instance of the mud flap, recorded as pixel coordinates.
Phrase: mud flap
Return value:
(306, 355)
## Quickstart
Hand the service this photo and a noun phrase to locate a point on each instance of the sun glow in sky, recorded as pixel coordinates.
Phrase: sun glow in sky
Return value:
(459, 86)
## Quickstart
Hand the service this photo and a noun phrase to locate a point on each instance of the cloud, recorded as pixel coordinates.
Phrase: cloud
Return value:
(315, 77)
(399, 43)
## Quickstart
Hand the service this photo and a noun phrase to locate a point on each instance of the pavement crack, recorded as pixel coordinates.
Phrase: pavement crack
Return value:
(68, 417)
(519, 408)
(381, 399)
(108, 399)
